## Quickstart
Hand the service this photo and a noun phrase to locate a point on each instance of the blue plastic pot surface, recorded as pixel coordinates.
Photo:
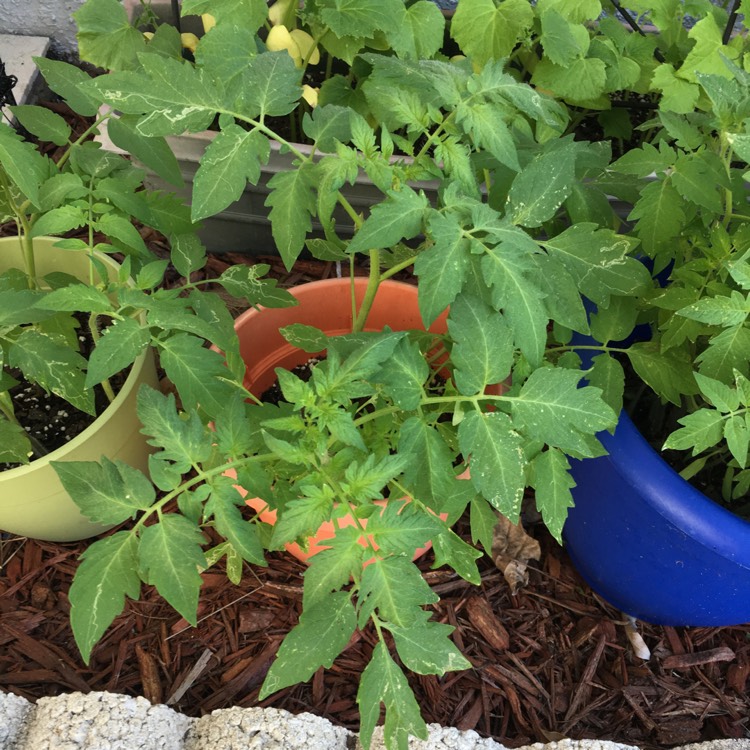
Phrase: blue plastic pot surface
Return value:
(651, 544)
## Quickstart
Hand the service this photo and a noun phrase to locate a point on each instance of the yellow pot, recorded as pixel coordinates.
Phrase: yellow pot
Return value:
(32, 500)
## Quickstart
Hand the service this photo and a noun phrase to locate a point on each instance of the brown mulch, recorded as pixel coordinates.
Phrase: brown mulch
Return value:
(551, 661)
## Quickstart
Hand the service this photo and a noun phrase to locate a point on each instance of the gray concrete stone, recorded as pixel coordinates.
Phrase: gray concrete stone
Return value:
(103, 721)
(265, 729)
(16, 53)
(14, 714)
(42, 18)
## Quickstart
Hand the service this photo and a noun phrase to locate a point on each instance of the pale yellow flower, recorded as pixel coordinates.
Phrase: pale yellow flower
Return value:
(208, 22)
(310, 95)
(279, 38)
(189, 41)
(278, 10)
(149, 35)
(306, 43)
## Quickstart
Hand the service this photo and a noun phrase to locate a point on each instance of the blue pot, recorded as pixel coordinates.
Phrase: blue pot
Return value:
(650, 543)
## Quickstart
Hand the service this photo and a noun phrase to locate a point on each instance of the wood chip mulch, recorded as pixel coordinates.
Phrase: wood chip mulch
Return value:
(550, 661)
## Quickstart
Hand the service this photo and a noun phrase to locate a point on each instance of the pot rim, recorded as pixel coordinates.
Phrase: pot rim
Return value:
(673, 497)
(59, 453)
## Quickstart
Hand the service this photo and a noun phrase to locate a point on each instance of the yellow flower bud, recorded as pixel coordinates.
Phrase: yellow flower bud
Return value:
(277, 11)
(279, 38)
(148, 35)
(306, 43)
(208, 22)
(189, 41)
(310, 95)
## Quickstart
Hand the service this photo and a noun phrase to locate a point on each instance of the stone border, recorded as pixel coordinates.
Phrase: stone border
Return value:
(93, 721)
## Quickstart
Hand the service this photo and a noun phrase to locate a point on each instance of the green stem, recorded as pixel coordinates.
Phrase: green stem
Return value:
(106, 385)
(201, 477)
(398, 267)
(372, 289)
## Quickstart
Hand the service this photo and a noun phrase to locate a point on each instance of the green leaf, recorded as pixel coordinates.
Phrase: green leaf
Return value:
(482, 345)
(231, 160)
(483, 522)
(487, 31)
(118, 347)
(562, 40)
(451, 550)
(701, 430)
(227, 52)
(171, 558)
(53, 365)
(58, 188)
(427, 473)
(243, 281)
(722, 397)
(330, 569)
(404, 375)
(709, 54)
(107, 574)
(359, 18)
(105, 37)
(307, 338)
(43, 123)
(419, 32)
(669, 373)
(188, 254)
(271, 85)
(153, 151)
(401, 528)
(199, 374)
(737, 435)
(726, 352)
(598, 260)
(15, 446)
(582, 80)
(58, 221)
(302, 517)
(329, 624)
(727, 311)
(65, 79)
(510, 273)
(678, 95)
(552, 484)
(696, 179)
(497, 461)
(383, 682)
(237, 12)
(106, 492)
(607, 374)
(441, 268)
(76, 298)
(239, 532)
(426, 648)
(542, 187)
(646, 159)
(395, 587)
(576, 11)
(554, 410)
(121, 229)
(25, 166)
(184, 441)
(293, 204)
(485, 123)
(327, 126)
(398, 217)
(659, 214)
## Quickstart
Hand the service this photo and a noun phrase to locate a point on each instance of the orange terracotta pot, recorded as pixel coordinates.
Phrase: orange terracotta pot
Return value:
(327, 305)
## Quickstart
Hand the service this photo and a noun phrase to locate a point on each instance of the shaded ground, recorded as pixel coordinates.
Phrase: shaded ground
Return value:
(551, 661)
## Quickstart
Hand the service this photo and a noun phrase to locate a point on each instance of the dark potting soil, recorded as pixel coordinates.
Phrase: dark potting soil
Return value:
(50, 420)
